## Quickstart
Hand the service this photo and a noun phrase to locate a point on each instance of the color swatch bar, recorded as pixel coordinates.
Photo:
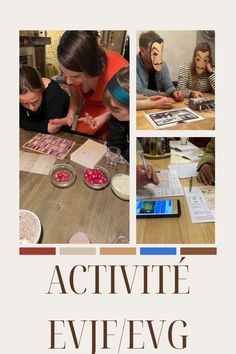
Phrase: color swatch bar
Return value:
(39, 251)
(198, 251)
(77, 251)
(118, 251)
(158, 251)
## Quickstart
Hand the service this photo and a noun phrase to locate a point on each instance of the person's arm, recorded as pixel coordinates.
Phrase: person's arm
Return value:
(142, 90)
(140, 97)
(184, 83)
(142, 80)
(206, 166)
(57, 107)
(75, 99)
(184, 80)
(96, 122)
(143, 178)
(211, 77)
(74, 104)
(154, 102)
(206, 174)
(212, 81)
(209, 154)
(144, 103)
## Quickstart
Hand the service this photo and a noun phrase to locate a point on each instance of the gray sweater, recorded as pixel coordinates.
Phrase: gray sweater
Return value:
(162, 78)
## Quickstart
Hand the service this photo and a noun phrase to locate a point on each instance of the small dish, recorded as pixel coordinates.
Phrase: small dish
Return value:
(62, 175)
(96, 178)
(29, 227)
(79, 237)
(120, 186)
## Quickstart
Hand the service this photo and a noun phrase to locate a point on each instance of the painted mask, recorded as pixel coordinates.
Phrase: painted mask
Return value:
(157, 55)
(201, 61)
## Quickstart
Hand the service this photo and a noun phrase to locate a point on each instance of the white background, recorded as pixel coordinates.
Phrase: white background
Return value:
(210, 308)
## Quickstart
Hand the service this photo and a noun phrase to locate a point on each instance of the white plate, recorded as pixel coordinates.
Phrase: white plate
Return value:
(29, 227)
(120, 186)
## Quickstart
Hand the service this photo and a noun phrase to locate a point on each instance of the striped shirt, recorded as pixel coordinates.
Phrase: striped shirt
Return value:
(204, 82)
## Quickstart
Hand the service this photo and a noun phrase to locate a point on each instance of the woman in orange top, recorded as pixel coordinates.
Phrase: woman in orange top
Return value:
(87, 68)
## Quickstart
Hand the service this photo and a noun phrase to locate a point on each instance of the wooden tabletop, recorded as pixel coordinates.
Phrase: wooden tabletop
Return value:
(174, 230)
(63, 211)
(206, 124)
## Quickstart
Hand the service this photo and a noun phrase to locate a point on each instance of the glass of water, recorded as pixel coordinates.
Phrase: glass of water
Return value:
(112, 156)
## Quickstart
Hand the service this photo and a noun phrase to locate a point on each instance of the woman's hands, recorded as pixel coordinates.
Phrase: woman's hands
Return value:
(161, 102)
(88, 119)
(143, 178)
(59, 122)
(95, 122)
(209, 68)
(206, 174)
(178, 95)
(196, 94)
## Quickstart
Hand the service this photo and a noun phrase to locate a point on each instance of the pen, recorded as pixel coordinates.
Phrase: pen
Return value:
(190, 184)
(144, 164)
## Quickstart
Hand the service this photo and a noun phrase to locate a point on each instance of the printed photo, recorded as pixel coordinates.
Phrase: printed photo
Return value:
(165, 119)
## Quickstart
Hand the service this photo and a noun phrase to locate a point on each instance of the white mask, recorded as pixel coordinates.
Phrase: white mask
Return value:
(157, 55)
(201, 61)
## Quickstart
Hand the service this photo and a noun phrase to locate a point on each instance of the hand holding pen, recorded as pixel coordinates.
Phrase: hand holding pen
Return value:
(145, 174)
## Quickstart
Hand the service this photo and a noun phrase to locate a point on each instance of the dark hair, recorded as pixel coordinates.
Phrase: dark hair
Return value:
(30, 80)
(149, 37)
(122, 77)
(80, 51)
(203, 47)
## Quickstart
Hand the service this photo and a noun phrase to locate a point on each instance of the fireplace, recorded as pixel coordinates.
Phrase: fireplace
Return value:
(32, 52)
(27, 56)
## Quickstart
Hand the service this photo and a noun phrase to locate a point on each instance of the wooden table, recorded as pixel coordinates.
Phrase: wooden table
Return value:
(206, 124)
(63, 211)
(174, 230)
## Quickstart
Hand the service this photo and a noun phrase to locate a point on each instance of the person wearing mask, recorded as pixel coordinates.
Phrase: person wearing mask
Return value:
(198, 76)
(152, 72)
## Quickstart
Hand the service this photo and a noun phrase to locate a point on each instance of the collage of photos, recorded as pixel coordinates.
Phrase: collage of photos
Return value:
(74, 135)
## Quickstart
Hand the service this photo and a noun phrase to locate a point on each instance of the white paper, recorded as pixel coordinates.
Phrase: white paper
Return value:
(209, 194)
(169, 186)
(192, 155)
(89, 154)
(185, 170)
(201, 206)
(176, 144)
(36, 163)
